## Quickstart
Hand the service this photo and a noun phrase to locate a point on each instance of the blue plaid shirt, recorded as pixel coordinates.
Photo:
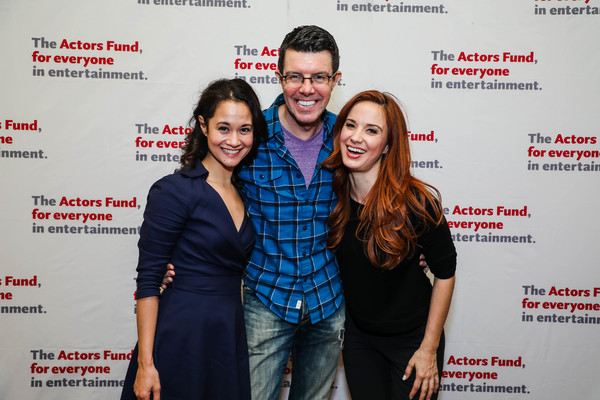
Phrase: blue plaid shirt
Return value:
(290, 262)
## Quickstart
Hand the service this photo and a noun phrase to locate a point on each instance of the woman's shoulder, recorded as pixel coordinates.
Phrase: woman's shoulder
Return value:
(426, 195)
(425, 207)
(183, 185)
(183, 176)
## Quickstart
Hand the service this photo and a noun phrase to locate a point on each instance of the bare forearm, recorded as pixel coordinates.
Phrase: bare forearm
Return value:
(441, 298)
(147, 312)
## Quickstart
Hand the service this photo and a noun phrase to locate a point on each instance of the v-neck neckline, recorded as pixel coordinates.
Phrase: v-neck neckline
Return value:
(244, 217)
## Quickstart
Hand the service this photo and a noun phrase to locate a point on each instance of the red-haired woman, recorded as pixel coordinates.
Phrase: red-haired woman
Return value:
(385, 218)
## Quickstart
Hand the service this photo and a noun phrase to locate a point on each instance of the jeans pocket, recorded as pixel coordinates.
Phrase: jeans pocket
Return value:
(247, 291)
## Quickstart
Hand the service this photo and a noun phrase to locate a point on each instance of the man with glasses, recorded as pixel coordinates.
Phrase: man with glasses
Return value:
(292, 289)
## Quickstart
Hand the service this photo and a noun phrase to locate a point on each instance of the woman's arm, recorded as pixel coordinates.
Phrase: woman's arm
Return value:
(424, 360)
(165, 218)
(146, 379)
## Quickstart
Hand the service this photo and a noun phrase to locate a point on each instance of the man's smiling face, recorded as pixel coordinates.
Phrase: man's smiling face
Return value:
(306, 103)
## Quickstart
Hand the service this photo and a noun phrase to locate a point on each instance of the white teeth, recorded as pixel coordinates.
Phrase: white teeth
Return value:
(306, 103)
(356, 150)
(228, 151)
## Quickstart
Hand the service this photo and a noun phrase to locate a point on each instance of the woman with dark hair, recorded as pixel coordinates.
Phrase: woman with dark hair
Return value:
(385, 218)
(191, 338)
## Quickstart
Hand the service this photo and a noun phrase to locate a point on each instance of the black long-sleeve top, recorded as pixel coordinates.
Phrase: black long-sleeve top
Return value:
(396, 300)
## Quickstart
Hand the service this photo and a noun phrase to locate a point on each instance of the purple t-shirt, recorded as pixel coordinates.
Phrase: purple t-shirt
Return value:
(305, 152)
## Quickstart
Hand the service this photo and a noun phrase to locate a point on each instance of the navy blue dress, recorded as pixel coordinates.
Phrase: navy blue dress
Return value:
(200, 348)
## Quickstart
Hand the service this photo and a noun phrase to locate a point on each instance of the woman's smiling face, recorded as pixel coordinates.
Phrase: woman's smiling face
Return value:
(364, 137)
(229, 133)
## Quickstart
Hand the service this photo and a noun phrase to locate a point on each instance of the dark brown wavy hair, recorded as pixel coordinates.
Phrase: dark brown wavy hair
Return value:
(395, 211)
(238, 90)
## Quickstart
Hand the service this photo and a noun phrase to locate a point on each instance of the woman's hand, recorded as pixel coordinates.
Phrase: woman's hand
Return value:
(147, 382)
(426, 373)
(424, 361)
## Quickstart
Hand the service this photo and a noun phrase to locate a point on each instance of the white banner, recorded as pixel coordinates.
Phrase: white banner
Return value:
(502, 100)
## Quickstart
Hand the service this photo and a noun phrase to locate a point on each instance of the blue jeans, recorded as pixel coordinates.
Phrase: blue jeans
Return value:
(315, 351)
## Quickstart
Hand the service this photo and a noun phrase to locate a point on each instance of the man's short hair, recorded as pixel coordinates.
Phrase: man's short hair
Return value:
(309, 39)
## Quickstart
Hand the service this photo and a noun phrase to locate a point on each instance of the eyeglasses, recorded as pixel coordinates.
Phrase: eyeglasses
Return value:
(298, 80)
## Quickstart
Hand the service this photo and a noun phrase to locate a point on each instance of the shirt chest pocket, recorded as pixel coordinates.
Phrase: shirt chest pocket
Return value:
(260, 182)
(267, 178)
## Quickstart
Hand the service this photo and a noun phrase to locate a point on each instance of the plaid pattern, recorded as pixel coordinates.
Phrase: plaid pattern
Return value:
(290, 262)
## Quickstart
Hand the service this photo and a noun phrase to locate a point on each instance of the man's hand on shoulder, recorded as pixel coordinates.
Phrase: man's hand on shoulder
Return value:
(168, 278)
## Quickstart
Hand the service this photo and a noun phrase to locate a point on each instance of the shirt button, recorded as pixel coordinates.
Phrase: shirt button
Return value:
(304, 254)
(298, 176)
(304, 227)
(262, 176)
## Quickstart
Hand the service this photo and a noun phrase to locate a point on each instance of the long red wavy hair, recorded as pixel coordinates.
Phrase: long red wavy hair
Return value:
(395, 210)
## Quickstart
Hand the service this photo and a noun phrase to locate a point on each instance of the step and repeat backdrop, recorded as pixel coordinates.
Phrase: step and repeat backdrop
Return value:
(502, 100)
